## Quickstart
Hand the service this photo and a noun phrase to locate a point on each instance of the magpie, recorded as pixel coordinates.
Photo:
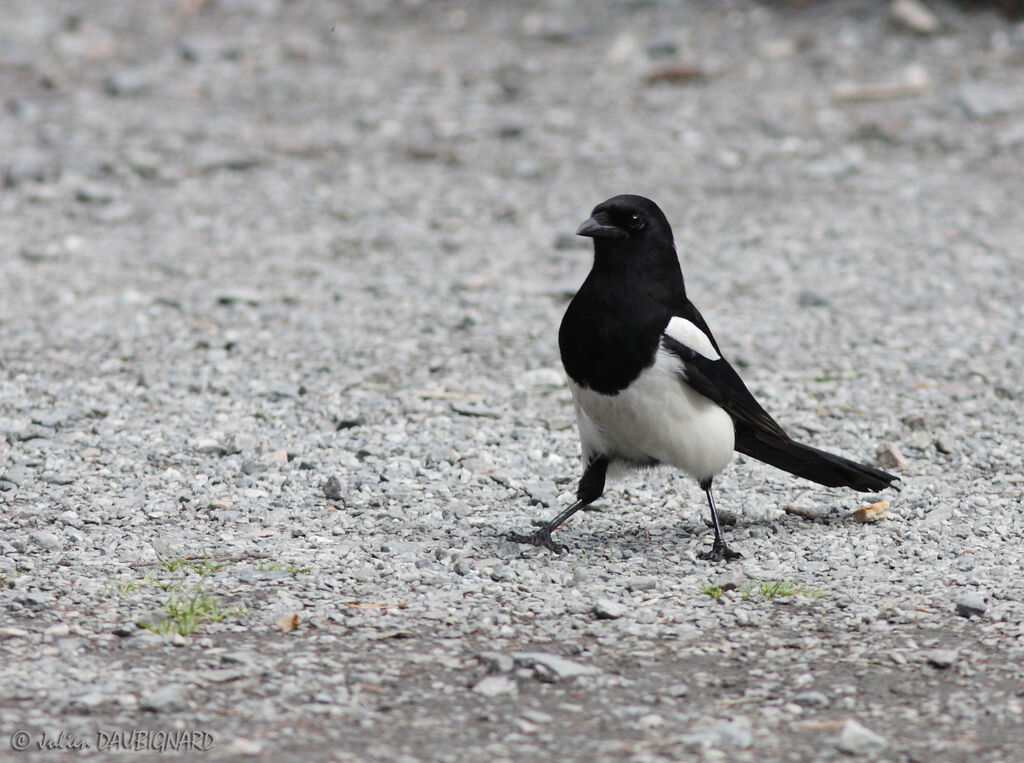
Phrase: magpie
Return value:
(650, 384)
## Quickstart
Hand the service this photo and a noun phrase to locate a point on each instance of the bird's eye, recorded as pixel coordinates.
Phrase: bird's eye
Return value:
(636, 222)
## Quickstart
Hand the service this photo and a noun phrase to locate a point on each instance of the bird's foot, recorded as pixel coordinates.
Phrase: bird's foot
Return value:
(541, 538)
(720, 552)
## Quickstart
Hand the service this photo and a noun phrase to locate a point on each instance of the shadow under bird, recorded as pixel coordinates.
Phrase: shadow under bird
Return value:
(649, 382)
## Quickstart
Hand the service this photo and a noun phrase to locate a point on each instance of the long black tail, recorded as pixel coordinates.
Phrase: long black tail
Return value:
(811, 463)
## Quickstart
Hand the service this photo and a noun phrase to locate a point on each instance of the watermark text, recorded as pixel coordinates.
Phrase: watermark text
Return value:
(115, 740)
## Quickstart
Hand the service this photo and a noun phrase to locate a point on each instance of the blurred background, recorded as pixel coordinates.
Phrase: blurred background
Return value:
(349, 157)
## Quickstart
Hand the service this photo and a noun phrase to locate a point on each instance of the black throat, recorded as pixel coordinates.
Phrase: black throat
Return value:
(612, 328)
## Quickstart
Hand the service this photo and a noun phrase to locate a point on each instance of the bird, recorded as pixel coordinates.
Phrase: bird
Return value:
(650, 384)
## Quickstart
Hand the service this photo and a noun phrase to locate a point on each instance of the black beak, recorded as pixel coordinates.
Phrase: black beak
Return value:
(597, 227)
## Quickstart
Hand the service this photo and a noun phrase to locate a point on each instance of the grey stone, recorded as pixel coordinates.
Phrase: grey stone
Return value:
(808, 298)
(252, 466)
(210, 447)
(939, 515)
(537, 716)
(970, 604)
(224, 675)
(27, 166)
(551, 378)
(889, 456)
(608, 609)
(32, 432)
(837, 166)
(242, 657)
(493, 686)
(920, 440)
(244, 747)
(725, 735)
(207, 49)
(168, 698)
(983, 100)
(915, 421)
(44, 539)
(332, 489)
(497, 662)
(503, 573)
(151, 618)
(239, 296)
(855, 739)
(662, 46)
(128, 83)
(914, 16)
(70, 518)
(553, 666)
(941, 658)
(92, 702)
(731, 579)
(811, 699)
(726, 518)
(541, 493)
(57, 478)
(17, 475)
(642, 583)
(57, 630)
(36, 600)
(114, 213)
(95, 193)
(240, 442)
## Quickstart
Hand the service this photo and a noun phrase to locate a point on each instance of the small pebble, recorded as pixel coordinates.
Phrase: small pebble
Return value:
(914, 16)
(44, 539)
(332, 489)
(497, 662)
(889, 456)
(941, 658)
(855, 739)
(492, 686)
(166, 699)
(731, 580)
(811, 699)
(607, 609)
(210, 447)
(970, 605)
(642, 583)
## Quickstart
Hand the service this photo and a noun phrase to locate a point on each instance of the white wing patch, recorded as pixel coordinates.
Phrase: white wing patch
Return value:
(686, 332)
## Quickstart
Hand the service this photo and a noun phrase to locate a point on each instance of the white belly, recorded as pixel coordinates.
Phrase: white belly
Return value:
(657, 418)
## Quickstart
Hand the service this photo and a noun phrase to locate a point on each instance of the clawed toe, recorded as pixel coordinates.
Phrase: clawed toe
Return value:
(541, 538)
(720, 552)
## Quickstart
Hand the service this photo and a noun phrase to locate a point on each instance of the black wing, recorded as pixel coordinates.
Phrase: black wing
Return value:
(719, 383)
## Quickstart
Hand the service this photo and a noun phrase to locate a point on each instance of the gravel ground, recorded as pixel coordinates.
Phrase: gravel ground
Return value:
(281, 283)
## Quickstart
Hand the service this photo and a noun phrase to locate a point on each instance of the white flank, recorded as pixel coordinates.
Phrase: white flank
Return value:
(686, 332)
(658, 417)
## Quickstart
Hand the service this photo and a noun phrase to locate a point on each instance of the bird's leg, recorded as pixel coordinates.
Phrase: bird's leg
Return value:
(719, 550)
(590, 489)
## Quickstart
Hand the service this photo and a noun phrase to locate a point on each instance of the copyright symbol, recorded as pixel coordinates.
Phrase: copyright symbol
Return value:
(20, 740)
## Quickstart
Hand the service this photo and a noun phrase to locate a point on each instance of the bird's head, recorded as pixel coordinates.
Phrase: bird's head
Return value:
(627, 223)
